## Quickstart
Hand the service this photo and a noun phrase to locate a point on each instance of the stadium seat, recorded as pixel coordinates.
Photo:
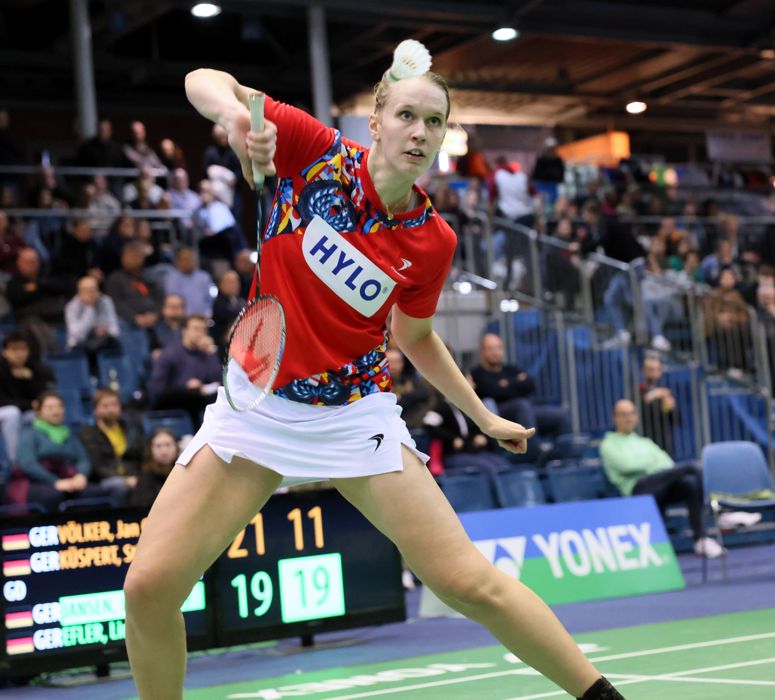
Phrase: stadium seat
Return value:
(571, 446)
(116, 368)
(731, 473)
(71, 370)
(468, 491)
(519, 488)
(75, 416)
(176, 421)
(573, 481)
(137, 347)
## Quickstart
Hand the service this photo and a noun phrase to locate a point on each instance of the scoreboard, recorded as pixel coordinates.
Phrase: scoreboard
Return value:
(307, 563)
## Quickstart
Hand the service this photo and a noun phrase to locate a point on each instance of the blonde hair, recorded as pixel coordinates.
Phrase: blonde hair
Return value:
(382, 87)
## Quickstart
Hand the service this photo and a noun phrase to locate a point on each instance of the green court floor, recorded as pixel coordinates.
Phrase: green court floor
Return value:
(725, 657)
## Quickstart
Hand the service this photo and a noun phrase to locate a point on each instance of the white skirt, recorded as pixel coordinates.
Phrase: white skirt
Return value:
(305, 443)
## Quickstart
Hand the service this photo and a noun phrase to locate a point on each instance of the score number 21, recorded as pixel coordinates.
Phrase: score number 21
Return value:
(236, 551)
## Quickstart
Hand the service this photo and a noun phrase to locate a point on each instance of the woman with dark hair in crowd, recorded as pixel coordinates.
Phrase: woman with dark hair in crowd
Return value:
(163, 451)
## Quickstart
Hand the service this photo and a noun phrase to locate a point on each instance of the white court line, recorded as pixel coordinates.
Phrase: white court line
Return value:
(530, 671)
(678, 676)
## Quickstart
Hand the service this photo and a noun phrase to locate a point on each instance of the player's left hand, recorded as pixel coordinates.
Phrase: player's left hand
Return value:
(510, 436)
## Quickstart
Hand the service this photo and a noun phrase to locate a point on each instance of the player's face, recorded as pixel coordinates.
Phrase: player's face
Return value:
(411, 125)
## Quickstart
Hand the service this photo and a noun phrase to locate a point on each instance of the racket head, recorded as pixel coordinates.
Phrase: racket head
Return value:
(256, 344)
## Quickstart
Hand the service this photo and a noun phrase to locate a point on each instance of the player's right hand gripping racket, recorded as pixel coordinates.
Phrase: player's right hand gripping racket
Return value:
(257, 338)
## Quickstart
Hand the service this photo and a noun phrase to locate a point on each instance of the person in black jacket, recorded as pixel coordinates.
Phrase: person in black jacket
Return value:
(226, 307)
(163, 452)
(21, 381)
(78, 255)
(115, 446)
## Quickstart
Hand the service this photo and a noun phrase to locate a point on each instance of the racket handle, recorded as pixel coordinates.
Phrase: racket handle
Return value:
(256, 102)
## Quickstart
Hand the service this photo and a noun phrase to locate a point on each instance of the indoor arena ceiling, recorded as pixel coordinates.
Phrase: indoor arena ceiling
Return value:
(576, 62)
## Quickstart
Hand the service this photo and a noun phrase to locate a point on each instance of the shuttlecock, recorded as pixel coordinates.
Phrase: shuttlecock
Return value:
(410, 59)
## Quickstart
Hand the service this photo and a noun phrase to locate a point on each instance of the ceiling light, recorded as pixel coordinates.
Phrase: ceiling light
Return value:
(204, 10)
(505, 34)
(767, 54)
(636, 107)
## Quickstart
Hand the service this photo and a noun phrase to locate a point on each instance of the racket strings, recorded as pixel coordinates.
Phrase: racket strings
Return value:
(257, 341)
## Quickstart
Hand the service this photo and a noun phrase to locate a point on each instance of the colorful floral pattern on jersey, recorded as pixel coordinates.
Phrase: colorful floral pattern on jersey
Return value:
(335, 193)
(369, 374)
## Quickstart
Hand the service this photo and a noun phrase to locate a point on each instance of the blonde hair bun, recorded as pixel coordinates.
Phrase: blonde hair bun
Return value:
(410, 59)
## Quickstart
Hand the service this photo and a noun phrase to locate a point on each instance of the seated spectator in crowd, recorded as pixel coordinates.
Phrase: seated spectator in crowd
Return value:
(220, 154)
(78, 255)
(658, 405)
(226, 307)
(138, 151)
(415, 396)
(91, 320)
(511, 388)
(10, 245)
(38, 301)
(463, 444)
(47, 179)
(163, 452)
(193, 284)
(215, 227)
(53, 464)
(245, 266)
(727, 324)
(102, 206)
(136, 298)
(22, 380)
(563, 265)
(638, 466)
(183, 198)
(169, 327)
(187, 374)
(102, 150)
(121, 232)
(171, 155)
(711, 265)
(145, 192)
(115, 446)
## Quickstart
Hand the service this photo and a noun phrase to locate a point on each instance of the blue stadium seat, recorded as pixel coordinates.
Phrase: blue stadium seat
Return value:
(75, 416)
(117, 368)
(574, 481)
(137, 347)
(571, 446)
(176, 421)
(71, 370)
(736, 467)
(468, 491)
(519, 488)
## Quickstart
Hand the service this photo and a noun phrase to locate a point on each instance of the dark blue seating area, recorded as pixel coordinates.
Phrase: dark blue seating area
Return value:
(176, 421)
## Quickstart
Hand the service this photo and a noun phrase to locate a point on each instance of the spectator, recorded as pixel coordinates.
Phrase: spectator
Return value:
(91, 320)
(215, 227)
(463, 443)
(122, 230)
(171, 155)
(711, 265)
(46, 179)
(549, 171)
(78, 255)
(168, 328)
(102, 150)
(10, 245)
(245, 265)
(115, 446)
(563, 265)
(187, 374)
(219, 153)
(183, 198)
(22, 380)
(137, 300)
(103, 207)
(144, 192)
(226, 307)
(53, 464)
(163, 452)
(137, 149)
(191, 283)
(37, 301)
(414, 395)
(511, 388)
(637, 465)
(727, 327)
(660, 414)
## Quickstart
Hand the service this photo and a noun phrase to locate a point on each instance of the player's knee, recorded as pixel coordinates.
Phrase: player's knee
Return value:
(148, 592)
(472, 589)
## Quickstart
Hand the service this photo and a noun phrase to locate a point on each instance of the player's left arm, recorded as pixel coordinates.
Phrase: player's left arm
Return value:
(427, 352)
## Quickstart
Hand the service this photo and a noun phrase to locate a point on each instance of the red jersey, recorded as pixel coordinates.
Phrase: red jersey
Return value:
(337, 262)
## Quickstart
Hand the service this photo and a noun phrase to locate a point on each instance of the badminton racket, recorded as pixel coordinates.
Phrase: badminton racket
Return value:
(257, 338)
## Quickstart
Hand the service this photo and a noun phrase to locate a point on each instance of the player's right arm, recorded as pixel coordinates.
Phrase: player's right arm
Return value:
(218, 97)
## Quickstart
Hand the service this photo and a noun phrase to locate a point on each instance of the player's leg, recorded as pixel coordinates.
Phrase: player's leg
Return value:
(200, 509)
(411, 510)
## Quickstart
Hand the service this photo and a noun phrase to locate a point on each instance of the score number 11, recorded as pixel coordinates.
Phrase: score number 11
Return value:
(237, 551)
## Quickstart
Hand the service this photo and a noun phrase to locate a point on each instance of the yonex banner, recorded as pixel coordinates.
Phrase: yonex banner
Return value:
(586, 550)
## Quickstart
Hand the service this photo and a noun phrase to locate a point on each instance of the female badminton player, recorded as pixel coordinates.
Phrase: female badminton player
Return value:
(350, 239)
